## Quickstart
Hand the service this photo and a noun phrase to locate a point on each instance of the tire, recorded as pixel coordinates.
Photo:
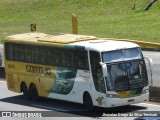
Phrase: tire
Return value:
(87, 101)
(33, 93)
(25, 91)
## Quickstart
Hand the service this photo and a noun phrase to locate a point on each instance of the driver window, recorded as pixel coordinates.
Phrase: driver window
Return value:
(97, 72)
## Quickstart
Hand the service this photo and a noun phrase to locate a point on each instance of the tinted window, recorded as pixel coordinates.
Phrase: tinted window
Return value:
(97, 71)
(54, 56)
(81, 60)
(47, 55)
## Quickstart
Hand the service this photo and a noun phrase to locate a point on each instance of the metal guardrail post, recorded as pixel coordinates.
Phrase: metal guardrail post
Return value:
(74, 24)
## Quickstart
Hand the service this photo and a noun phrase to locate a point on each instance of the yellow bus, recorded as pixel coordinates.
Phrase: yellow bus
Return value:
(76, 68)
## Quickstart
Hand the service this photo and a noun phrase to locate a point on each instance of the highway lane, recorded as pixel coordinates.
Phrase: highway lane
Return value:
(11, 101)
(155, 56)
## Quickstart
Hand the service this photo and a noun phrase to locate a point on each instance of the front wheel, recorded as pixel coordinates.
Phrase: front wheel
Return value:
(34, 93)
(25, 91)
(87, 101)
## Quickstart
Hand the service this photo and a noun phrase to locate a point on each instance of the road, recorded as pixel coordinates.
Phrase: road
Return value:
(11, 101)
(155, 56)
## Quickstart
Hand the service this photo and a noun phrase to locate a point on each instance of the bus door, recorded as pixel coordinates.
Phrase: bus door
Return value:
(149, 67)
(98, 79)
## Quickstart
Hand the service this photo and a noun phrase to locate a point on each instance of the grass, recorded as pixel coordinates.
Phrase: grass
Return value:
(102, 18)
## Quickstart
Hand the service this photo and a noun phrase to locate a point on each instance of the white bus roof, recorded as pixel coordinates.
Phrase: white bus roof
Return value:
(105, 45)
(88, 42)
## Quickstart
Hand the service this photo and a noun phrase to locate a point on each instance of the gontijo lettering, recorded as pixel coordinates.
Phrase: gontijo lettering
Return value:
(36, 69)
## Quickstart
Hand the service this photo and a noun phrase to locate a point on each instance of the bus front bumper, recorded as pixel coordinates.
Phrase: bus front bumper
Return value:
(115, 102)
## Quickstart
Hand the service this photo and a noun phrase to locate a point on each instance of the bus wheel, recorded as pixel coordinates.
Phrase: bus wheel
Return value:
(87, 101)
(34, 93)
(25, 91)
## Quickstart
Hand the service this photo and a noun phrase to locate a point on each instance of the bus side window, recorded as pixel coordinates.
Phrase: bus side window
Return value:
(51, 57)
(81, 60)
(9, 48)
(68, 58)
(55, 56)
(19, 50)
(30, 54)
(58, 57)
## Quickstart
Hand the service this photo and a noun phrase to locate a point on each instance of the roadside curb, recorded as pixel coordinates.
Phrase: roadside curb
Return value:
(151, 49)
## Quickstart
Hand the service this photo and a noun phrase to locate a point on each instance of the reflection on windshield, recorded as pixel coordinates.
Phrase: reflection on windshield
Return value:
(125, 76)
(121, 55)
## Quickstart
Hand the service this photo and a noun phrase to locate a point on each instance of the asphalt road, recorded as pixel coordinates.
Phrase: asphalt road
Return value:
(15, 102)
(155, 56)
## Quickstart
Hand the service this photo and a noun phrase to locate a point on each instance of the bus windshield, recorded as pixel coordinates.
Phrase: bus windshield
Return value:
(126, 76)
(126, 70)
(121, 55)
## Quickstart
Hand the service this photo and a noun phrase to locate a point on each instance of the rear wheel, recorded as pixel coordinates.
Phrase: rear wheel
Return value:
(25, 91)
(87, 101)
(34, 93)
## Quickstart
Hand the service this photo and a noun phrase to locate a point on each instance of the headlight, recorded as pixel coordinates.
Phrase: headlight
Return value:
(145, 91)
(112, 96)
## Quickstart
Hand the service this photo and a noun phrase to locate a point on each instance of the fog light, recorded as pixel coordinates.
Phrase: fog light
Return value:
(145, 91)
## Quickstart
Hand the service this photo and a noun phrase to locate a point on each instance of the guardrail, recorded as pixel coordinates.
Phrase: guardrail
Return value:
(142, 43)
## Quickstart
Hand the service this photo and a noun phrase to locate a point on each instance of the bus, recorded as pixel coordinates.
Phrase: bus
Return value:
(76, 68)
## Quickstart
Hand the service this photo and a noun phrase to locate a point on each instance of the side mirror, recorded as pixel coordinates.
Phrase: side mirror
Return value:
(104, 69)
(149, 66)
(151, 63)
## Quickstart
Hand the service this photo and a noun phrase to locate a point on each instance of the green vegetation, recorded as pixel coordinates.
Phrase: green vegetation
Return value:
(102, 18)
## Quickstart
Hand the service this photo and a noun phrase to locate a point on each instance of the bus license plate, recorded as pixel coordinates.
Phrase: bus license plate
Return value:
(131, 100)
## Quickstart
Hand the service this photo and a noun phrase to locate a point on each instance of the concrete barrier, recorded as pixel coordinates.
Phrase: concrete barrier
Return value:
(154, 93)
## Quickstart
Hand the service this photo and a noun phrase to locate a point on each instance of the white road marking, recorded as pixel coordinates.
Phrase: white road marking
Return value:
(150, 104)
(51, 108)
(2, 81)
